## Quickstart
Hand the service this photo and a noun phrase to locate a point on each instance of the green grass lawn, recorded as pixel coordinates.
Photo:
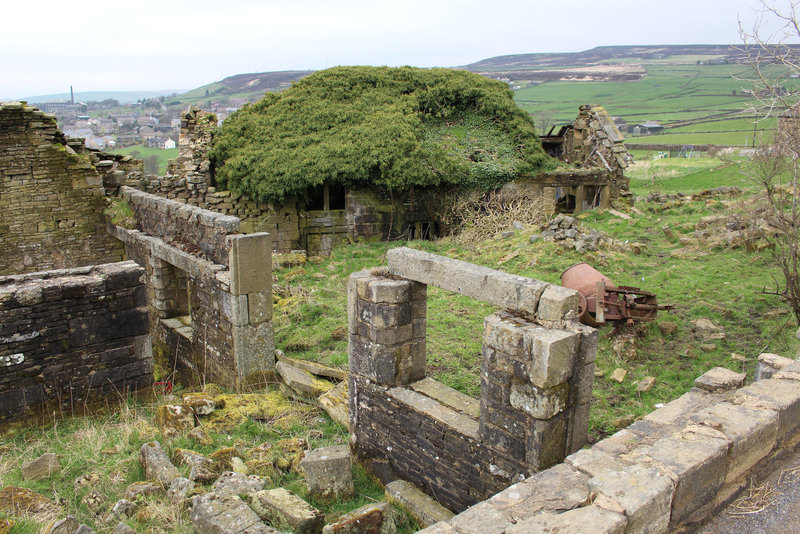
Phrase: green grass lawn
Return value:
(142, 152)
(709, 95)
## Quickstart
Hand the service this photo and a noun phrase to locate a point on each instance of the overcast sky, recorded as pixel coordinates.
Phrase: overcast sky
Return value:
(46, 46)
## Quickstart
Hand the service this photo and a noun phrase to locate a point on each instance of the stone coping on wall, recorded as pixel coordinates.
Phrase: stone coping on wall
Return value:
(533, 299)
(174, 209)
(669, 471)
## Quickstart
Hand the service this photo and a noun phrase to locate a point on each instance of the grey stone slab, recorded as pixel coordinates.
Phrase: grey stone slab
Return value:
(558, 304)
(283, 509)
(448, 396)
(231, 483)
(328, 472)
(374, 518)
(781, 396)
(250, 262)
(644, 493)
(752, 434)
(482, 518)
(769, 364)
(423, 508)
(481, 283)
(540, 403)
(254, 349)
(215, 514)
(463, 424)
(697, 465)
(594, 461)
(156, 464)
(720, 379)
(586, 520)
(556, 489)
(677, 412)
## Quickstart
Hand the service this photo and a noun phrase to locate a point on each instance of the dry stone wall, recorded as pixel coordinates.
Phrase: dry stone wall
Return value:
(536, 378)
(69, 337)
(51, 197)
(209, 290)
(668, 472)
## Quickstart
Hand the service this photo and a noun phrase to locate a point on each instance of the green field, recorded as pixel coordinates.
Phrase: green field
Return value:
(142, 152)
(705, 101)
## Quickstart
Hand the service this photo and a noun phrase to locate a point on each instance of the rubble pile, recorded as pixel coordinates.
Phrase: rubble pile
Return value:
(566, 231)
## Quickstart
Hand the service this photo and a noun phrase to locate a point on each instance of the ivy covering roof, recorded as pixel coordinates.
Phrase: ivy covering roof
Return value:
(397, 128)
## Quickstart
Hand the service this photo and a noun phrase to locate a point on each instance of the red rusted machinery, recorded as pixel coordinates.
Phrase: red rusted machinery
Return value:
(602, 301)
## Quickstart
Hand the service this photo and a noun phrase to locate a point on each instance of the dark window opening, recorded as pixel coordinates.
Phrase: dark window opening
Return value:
(336, 197)
(419, 230)
(315, 198)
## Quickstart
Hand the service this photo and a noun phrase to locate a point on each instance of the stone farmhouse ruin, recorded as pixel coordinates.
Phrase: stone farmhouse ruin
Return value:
(189, 283)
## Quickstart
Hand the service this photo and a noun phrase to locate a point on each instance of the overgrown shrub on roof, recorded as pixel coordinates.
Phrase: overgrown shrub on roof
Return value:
(397, 128)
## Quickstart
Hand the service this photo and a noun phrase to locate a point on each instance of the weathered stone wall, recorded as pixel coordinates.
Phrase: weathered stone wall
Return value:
(72, 336)
(536, 380)
(51, 197)
(209, 290)
(668, 472)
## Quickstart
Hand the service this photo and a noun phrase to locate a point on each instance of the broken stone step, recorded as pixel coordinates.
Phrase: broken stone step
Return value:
(375, 518)
(314, 368)
(283, 509)
(302, 384)
(213, 514)
(423, 508)
(336, 403)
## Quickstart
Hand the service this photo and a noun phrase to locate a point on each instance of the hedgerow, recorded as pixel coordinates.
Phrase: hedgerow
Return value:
(396, 128)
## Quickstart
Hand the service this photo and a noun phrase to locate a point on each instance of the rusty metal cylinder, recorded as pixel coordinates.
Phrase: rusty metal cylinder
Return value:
(583, 278)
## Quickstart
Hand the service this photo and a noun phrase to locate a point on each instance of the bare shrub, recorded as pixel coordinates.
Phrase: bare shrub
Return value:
(474, 216)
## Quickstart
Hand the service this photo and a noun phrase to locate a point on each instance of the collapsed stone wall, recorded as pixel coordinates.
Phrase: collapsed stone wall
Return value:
(71, 337)
(536, 379)
(209, 290)
(668, 472)
(51, 197)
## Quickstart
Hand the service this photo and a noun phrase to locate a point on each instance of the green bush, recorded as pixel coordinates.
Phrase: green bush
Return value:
(396, 128)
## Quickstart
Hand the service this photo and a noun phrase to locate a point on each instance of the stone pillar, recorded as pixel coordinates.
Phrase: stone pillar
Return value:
(605, 197)
(387, 328)
(250, 261)
(527, 398)
(580, 196)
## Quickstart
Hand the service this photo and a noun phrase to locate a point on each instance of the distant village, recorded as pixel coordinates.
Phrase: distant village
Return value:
(109, 125)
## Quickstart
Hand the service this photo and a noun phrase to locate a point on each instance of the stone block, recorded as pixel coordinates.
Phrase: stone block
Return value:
(594, 462)
(382, 315)
(302, 383)
(552, 490)
(644, 493)
(781, 396)
(283, 509)
(439, 528)
(522, 295)
(678, 411)
(375, 518)
(328, 472)
(156, 464)
(720, 379)
(352, 298)
(423, 508)
(234, 308)
(558, 304)
(250, 262)
(546, 441)
(553, 356)
(447, 396)
(174, 420)
(335, 403)
(259, 307)
(463, 424)
(540, 403)
(232, 483)
(215, 514)
(696, 464)
(42, 467)
(586, 520)
(389, 291)
(769, 364)
(789, 372)
(752, 434)
(482, 518)
(254, 349)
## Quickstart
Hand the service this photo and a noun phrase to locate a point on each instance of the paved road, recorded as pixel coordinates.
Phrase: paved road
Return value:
(782, 516)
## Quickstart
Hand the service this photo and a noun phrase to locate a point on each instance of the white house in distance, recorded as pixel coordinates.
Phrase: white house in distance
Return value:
(169, 143)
